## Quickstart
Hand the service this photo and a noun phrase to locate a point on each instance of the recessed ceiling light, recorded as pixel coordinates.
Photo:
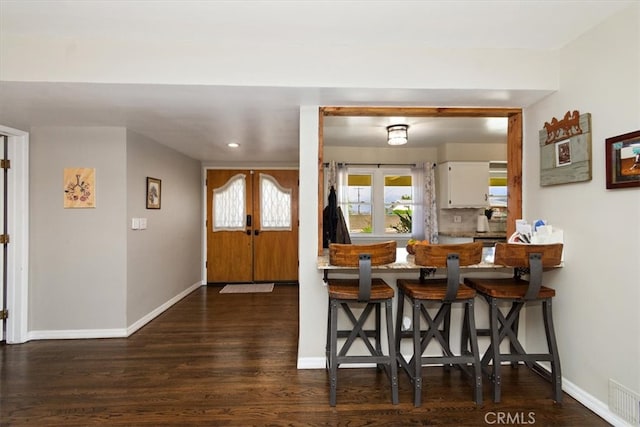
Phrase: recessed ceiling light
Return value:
(233, 145)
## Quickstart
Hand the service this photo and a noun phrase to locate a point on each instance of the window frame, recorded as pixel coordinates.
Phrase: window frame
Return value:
(378, 206)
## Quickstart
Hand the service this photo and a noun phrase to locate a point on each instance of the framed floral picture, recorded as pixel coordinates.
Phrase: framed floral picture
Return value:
(154, 193)
(79, 188)
(623, 160)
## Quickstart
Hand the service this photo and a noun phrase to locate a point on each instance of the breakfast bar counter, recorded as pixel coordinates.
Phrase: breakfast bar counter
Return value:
(406, 261)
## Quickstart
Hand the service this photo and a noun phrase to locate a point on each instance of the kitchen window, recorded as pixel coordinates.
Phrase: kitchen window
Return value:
(378, 202)
(498, 184)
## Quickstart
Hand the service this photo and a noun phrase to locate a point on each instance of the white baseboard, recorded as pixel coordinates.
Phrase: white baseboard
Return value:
(312, 362)
(593, 404)
(72, 334)
(110, 333)
(158, 311)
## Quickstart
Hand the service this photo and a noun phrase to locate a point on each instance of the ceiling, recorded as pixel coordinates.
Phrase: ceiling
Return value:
(199, 120)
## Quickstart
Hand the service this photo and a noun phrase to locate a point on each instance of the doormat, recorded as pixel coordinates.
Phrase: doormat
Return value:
(247, 288)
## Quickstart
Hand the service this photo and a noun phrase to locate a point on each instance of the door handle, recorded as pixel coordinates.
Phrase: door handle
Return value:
(256, 232)
(248, 220)
(248, 232)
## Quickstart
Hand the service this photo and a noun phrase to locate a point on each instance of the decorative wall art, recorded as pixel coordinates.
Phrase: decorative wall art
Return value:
(79, 188)
(623, 160)
(565, 149)
(154, 193)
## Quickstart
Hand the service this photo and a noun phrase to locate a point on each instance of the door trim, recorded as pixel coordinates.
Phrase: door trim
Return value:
(18, 257)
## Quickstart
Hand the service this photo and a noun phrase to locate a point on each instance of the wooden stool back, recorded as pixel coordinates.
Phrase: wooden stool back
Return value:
(517, 255)
(436, 255)
(346, 255)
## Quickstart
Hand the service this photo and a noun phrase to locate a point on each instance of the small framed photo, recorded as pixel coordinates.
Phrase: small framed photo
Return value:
(154, 193)
(623, 160)
(563, 153)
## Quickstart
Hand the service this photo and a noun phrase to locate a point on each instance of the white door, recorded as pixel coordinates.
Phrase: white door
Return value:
(14, 194)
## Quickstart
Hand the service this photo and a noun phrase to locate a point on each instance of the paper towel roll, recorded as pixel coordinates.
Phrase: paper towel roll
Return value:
(483, 224)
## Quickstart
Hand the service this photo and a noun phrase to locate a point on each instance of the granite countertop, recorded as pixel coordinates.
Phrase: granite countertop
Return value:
(406, 261)
(488, 234)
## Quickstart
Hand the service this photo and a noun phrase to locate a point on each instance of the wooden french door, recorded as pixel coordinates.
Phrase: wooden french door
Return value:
(252, 226)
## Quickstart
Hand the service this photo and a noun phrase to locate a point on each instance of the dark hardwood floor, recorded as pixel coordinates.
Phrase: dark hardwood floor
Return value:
(230, 359)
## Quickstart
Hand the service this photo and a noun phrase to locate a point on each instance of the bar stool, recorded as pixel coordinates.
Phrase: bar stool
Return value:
(520, 292)
(367, 292)
(442, 293)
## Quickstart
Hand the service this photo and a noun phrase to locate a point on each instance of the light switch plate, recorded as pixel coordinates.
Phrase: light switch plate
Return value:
(143, 223)
(457, 218)
(135, 223)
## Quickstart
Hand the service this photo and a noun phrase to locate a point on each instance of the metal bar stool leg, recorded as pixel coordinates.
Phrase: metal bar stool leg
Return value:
(470, 325)
(393, 363)
(417, 355)
(495, 348)
(333, 365)
(378, 334)
(556, 375)
(399, 316)
(446, 329)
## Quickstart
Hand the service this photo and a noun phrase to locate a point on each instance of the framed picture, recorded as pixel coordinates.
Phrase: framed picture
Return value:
(79, 188)
(623, 160)
(154, 193)
(563, 153)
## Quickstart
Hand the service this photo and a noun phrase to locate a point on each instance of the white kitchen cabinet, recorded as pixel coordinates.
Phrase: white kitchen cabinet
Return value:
(463, 184)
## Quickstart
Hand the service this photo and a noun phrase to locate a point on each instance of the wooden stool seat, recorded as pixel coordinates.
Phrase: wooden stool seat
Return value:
(347, 289)
(510, 288)
(435, 291)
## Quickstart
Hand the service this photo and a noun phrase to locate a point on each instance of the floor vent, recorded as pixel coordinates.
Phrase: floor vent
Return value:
(624, 402)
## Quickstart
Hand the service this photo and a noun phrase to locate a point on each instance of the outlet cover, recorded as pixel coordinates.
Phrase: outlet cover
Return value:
(457, 218)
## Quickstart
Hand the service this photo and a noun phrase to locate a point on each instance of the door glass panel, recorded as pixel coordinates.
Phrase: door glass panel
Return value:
(275, 205)
(229, 210)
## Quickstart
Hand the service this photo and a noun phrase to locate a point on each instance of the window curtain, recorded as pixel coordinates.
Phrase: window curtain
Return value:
(342, 181)
(332, 176)
(417, 224)
(429, 203)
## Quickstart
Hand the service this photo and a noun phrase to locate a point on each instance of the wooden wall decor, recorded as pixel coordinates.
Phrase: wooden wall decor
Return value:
(565, 149)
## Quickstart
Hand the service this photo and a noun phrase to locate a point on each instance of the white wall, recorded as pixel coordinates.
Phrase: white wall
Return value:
(90, 274)
(165, 259)
(77, 277)
(598, 292)
(312, 294)
(374, 155)
(51, 57)
(469, 152)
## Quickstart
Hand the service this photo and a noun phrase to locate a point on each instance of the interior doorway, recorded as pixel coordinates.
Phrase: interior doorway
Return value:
(252, 226)
(16, 212)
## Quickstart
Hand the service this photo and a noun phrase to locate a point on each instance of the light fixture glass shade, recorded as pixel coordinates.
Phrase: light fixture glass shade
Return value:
(397, 134)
